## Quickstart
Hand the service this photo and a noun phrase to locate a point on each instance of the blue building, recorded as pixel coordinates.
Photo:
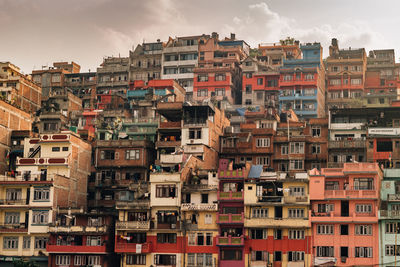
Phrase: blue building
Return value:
(302, 83)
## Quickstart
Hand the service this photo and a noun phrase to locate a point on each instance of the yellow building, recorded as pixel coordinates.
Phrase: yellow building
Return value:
(276, 219)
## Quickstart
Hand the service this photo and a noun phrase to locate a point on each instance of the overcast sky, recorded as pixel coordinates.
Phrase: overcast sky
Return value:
(35, 33)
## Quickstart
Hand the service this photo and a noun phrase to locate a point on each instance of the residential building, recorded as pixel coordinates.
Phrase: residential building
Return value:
(384, 61)
(145, 62)
(53, 78)
(179, 58)
(113, 76)
(83, 85)
(345, 75)
(275, 53)
(344, 214)
(18, 89)
(277, 219)
(302, 83)
(218, 75)
(389, 217)
(380, 90)
(260, 84)
(53, 173)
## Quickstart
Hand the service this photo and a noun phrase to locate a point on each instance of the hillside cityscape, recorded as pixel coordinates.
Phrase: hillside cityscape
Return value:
(201, 151)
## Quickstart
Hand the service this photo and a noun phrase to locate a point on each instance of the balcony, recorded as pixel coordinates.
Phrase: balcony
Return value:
(124, 247)
(160, 144)
(230, 218)
(381, 155)
(230, 196)
(230, 241)
(13, 228)
(132, 225)
(42, 161)
(77, 229)
(347, 144)
(351, 193)
(394, 197)
(21, 179)
(170, 125)
(13, 202)
(53, 248)
(55, 137)
(170, 106)
(228, 174)
(200, 207)
(133, 204)
(331, 217)
(171, 159)
(199, 187)
(389, 214)
(296, 199)
(287, 222)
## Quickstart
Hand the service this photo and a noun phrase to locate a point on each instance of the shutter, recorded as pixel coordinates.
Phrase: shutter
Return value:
(102, 154)
(116, 155)
(253, 255)
(117, 176)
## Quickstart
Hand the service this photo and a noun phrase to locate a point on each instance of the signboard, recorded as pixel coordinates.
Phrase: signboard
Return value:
(384, 131)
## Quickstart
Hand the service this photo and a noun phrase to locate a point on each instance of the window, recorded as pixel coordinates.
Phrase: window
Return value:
(260, 95)
(40, 216)
(11, 218)
(263, 142)
(325, 251)
(48, 126)
(220, 77)
(40, 242)
(258, 255)
(248, 75)
(202, 78)
(390, 250)
(258, 233)
(272, 83)
(208, 219)
(163, 191)
(166, 238)
(315, 149)
(202, 92)
(41, 194)
(363, 208)
(93, 240)
(322, 207)
(284, 150)
(296, 256)
(219, 91)
(363, 184)
(10, 242)
(288, 77)
(363, 252)
(63, 260)
(65, 148)
(248, 89)
(55, 149)
(391, 227)
(248, 102)
(163, 259)
(204, 198)
(316, 131)
(363, 229)
(209, 239)
(260, 81)
(296, 213)
(26, 242)
(93, 260)
(335, 82)
(108, 154)
(296, 234)
(278, 234)
(297, 191)
(297, 148)
(79, 260)
(194, 133)
(309, 76)
(136, 259)
(355, 81)
(325, 229)
(331, 185)
(262, 161)
(13, 194)
(233, 255)
(260, 212)
(132, 154)
(277, 255)
(296, 164)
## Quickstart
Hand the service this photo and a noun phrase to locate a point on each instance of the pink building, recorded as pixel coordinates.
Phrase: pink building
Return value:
(344, 215)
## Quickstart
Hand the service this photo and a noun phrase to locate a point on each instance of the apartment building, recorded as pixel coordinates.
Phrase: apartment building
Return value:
(53, 173)
(384, 61)
(78, 238)
(145, 62)
(275, 53)
(113, 76)
(218, 75)
(344, 214)
(179, 58)
(302, 83)
(345, 74)
(277, 219)
(260, 84)
(388, 217)
(53, 78)
(83, 85)
(19, 89)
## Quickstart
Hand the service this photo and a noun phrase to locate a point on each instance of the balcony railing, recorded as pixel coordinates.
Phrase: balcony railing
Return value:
(192, 206)
(77, 229)
(54, 248)
(13, 202)
(124, 247)
(133, 204)
(351, 193)
(230, 241)
(347, 144)
(390, 214)
(296, 199)
(229, 196)
(230, 218)
(42, 161)
(26, 178)
(132, 225)
(393, 197)
(231, 174)
(18, 227)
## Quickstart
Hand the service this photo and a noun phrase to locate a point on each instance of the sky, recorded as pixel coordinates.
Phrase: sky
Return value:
(36, 33)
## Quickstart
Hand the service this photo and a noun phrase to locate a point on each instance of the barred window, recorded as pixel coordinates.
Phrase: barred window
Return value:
(139, 259)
